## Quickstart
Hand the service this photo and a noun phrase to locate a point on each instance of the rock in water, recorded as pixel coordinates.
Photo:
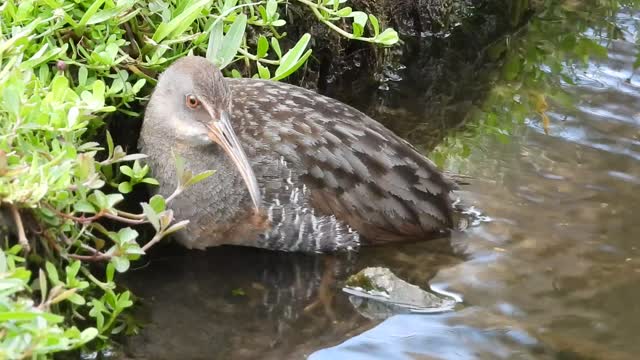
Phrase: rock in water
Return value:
(377, 293)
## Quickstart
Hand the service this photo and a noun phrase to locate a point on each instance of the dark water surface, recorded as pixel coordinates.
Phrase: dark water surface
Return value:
(554, 274)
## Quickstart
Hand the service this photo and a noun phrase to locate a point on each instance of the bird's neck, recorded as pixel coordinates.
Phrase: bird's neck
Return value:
(222, 195)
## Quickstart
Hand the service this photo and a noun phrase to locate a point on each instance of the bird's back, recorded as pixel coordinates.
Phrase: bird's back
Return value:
(332, 176)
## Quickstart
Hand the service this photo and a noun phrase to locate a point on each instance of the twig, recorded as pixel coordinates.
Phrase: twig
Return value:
(101, 214)
(78, 219)
(22, 237)
(153, 241)
(124, 220)
(95, 257)
(130, 215)
(177, 192)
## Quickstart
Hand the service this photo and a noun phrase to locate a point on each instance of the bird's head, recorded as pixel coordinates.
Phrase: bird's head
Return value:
(193, 98)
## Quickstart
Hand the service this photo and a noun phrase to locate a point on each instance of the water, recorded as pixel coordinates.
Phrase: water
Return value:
(555, 274)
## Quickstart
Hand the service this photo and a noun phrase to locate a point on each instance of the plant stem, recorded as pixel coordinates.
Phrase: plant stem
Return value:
(255, 58)
(177, 192)
(96, 257)
(138, 219)
(22, 237)
(314, 7)
(130, 215)
(124, 220)
(156, 238)
(104, 286)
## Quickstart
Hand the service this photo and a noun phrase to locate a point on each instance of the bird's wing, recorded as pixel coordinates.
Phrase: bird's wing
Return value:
(356, 169)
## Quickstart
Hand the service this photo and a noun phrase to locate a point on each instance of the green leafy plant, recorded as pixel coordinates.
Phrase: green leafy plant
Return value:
(65, 66)
(554, 46)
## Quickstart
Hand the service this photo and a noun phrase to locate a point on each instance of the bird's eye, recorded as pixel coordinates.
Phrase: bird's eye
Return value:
(192, 101)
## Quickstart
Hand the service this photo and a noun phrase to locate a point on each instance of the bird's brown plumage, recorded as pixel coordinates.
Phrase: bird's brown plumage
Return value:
(355, 168)
(329, 174)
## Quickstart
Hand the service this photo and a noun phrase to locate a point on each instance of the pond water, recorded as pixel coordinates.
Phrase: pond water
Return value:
(553, 274)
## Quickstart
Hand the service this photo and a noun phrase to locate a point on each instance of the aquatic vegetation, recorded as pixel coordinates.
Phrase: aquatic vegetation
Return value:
(65, 67)
(547, 53)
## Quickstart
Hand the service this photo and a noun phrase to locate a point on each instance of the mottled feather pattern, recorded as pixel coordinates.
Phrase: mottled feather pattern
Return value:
(330, 177)
(382, 186)
(294, 224)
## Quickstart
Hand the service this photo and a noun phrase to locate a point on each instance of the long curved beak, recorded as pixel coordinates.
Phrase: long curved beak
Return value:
(221, 132)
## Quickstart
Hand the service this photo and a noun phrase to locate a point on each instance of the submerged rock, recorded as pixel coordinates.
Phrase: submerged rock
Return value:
(377, 293)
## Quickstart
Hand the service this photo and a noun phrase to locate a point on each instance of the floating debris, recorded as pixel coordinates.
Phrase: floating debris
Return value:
(377, 293)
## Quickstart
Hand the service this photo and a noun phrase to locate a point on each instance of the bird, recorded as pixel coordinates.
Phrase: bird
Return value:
(294, 170)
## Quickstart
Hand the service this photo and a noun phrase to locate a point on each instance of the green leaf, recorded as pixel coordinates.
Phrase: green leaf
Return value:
(42, 282)
(11, 100)
(125, 169)
(59, 86)
(180, 167)
(121, 263)
(110, 272)
(197, 178)
(263, 46)
(228, 4)
(124, 300)
(126, 235)
(105, 15)
(344, 12)
(113, 199)
(88, 334)
(99, 199)
(359, 22)
(150, 181)
(99, 90)
(272, 7)
(151, 215)
(135, 89)
(28, 316)
(180, 23)
(375, 24)
(232, 40)
(132, 157)
(263, 14)
(388, 37)
(125, 187)
(63, 296)
(90, 12)
(76, 299)
(176, 227)
(295, 67)
(72, 270)
(84, 206)
(275, 45)
(52, 273)
(263, 71)
(158, 203)
(292, 57)
(109, 144)
(216, 36)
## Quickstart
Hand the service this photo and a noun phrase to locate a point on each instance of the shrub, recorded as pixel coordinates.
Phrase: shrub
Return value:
(64, 67)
